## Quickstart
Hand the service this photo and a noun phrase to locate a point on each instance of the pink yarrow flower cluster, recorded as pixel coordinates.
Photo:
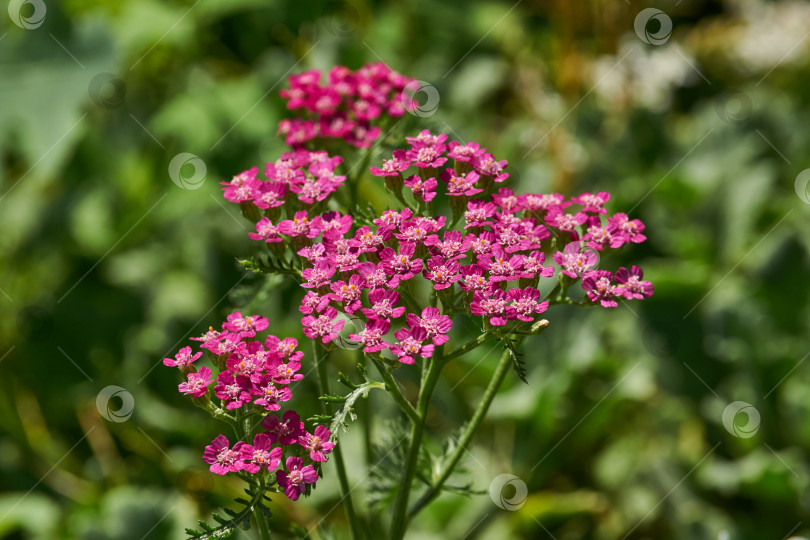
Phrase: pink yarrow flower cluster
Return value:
(464, 169)
(255, 374)
(297, 180)
(346, 106)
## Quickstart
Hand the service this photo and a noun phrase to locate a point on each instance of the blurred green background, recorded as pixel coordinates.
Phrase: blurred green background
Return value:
(107, 264)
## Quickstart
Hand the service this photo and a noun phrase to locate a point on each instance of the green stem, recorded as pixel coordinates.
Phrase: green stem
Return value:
(468, 346)
(323, 382)
(400, 518)
(264, 528)
(480, 412)
(393, 389)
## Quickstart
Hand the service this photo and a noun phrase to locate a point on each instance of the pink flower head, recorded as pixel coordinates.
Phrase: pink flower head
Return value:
(411, 344)
(284, 348)
(197, 383)
(423, 190)
(631, 284)
(284, 432)
(284, 372)
(565, 222)
(507, 201)
(600, 238)
(383, 305)
(537, 202)
(464, 152)
(375, 274)
(392, 219)
(393, 167)
(294, 482)
(478, 213)
(593, 202)
(318, 443)
(182, 358)
(486, 165)
(245, 326)
(435, 324)
(222, 458)
(501, 266)
(427, 155)
(525, 303)
(265, 230)
(233, 390)
(349, 293)
(474, 279)
(574, 260)
(400, 266)
(324, 326)
(454, 245)
(314, 302)
(333, 224)
(372, 335)
(259, 456)
(533, 266)
(300, 225)
(460, 184)
(318, 275)
(426, 138)
(270, 394)
(270, 194)
(443, 273)
(631, 228)
(493, 304)
(598, 284)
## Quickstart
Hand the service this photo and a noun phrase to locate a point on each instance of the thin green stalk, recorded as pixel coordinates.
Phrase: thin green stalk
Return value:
(264, 528)
(323, 383)
(468, 346)
(393, 389)
(400, 518)
(480, 412)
